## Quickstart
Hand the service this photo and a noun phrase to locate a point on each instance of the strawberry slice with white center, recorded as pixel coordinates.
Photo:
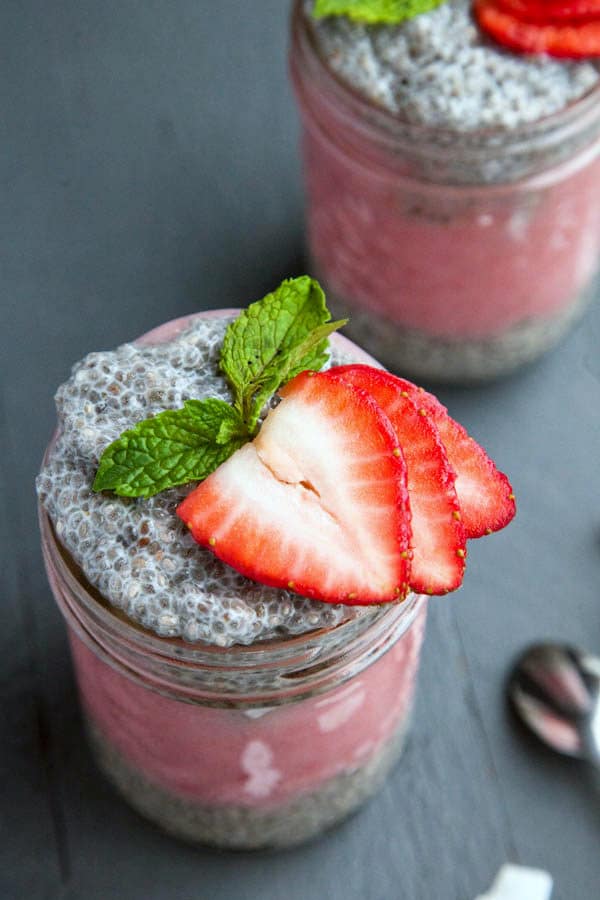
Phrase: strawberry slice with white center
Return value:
(317, 503)
(438, 534)
(486, 498)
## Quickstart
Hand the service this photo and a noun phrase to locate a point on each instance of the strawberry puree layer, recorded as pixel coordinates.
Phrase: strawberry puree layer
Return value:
(464, 262)
(252, 757)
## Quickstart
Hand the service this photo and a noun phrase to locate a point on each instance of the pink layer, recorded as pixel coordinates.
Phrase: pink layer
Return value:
(250, 757)
(452, 262)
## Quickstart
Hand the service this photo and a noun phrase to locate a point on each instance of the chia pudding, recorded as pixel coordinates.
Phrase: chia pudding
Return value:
(227, 712)
(453, 189)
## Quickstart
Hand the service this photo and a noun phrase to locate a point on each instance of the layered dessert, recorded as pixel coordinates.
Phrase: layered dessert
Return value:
(244, 570)
(453, 186)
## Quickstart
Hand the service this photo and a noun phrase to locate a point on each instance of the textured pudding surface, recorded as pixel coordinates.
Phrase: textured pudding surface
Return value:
(137, 553)
(439, 69)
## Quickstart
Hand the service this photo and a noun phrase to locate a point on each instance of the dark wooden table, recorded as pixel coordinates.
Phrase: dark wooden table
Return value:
(149, 169)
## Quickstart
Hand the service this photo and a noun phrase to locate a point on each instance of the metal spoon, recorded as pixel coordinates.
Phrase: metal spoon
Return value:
(555, 689)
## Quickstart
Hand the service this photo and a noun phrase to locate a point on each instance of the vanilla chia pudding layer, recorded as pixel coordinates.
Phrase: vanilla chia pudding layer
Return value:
(439, 69)
(136, 552)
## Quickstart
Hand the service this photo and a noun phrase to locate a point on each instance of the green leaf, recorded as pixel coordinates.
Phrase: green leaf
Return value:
(175, 447)
(311, 353)
(270, 342)
(374, 11)
(274, 339)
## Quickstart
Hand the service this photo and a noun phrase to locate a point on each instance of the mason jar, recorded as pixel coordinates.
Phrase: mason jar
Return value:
(247, 746)
(458, 256)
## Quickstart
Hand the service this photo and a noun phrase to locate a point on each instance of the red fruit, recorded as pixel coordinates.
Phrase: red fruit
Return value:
(548, 11)
(485, 496)
(317, 503)
(438, 534)
(574, 39)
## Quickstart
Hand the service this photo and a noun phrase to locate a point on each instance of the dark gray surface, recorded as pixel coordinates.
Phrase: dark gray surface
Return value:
(149, 169)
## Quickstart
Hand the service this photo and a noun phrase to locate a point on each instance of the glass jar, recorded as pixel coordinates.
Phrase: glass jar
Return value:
(457, 256)
(246, 747)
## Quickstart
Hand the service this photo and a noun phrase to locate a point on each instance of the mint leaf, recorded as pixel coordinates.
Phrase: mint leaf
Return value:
(274, 339)
(311, 353)
(374, 11)
(270, 342)
(174, 447)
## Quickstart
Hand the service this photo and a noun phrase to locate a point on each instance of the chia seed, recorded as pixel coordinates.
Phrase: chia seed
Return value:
(137, 553)
(439, 69)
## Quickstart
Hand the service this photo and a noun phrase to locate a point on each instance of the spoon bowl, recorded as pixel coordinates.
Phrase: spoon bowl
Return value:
(555, 690)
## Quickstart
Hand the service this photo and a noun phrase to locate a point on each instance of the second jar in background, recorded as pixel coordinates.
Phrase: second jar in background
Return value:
(457, 256)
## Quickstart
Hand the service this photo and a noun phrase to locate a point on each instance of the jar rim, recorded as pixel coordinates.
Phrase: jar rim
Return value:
(99, 610)
(297, 665)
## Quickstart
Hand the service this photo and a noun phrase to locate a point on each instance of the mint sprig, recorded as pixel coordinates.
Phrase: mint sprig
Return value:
(373, 12)
(174, 447)
(270, 342)
(274, 339)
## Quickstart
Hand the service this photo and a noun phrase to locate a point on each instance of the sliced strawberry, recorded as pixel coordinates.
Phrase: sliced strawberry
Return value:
(574, 40)
(438, 534)
(485, 496)
(317, 503)
(552, 10)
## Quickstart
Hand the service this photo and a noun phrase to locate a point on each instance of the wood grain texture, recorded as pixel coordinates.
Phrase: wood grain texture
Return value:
(149, 168)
